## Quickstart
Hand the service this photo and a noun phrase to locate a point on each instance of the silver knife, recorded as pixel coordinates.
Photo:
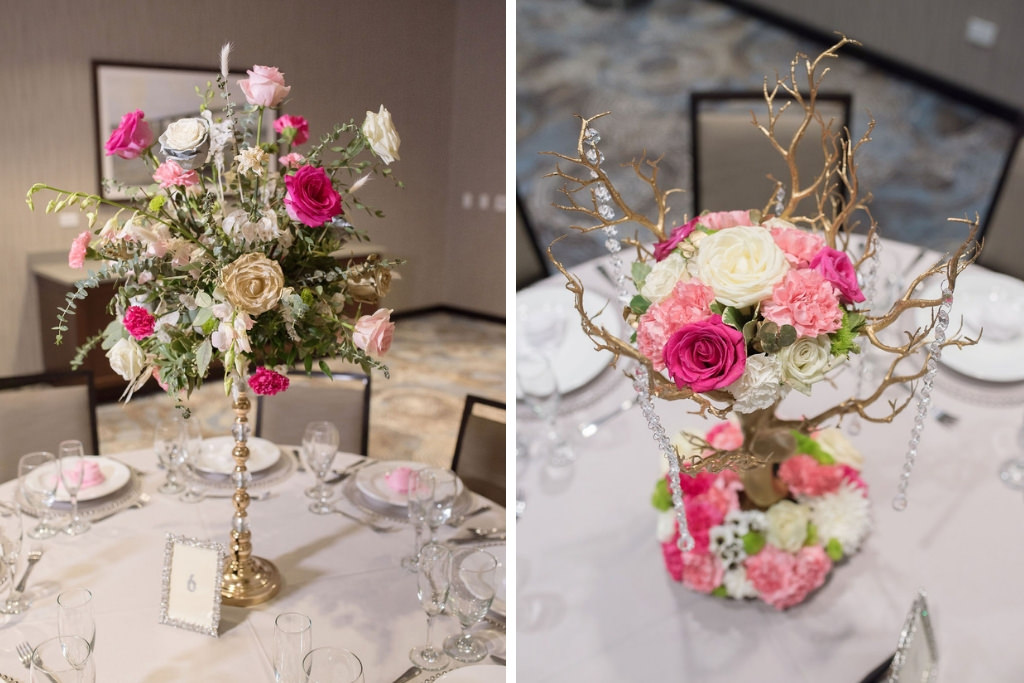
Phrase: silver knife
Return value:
(493, 538)
(411, 673)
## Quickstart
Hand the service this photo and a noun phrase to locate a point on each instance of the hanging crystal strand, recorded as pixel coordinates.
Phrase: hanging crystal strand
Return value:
(780, 197)
(607, 211)
(869, 287)
(924, 401)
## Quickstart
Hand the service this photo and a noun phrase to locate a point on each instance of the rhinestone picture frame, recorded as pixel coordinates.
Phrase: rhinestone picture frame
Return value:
(192, 566)
(917, 656)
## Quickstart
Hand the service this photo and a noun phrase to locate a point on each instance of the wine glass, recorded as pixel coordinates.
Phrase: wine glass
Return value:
(11, 534)
(38, 478)
(1011, 472)
(539, 386)
(64, 659)
(76, 617)
(72, 474)
(440, 509)
(191, 453)
(319, 445)
(435, 566)
(332, 665)
(167, 444)
(469, 598)
(420, 493)
(542, 325)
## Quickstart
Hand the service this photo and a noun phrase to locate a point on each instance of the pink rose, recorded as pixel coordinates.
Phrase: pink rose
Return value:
(798, 245)
(294, 129)
(680, 233)
(805, 476)
(310, 198)
(139, 322)
(688, 302)
(836, 267)
(373, 333)
(784, 580)
(265, 86)
(76, 255)
(267, 382)
(720, 220)
(170, 174)
(705, 355)
(805, 300)
(293, 160)
(702, 572)
(726, 436)
(131, 137)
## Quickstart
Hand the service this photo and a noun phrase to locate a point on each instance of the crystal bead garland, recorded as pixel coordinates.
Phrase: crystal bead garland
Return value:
(868, 286)
(605, 209)
(924, 401)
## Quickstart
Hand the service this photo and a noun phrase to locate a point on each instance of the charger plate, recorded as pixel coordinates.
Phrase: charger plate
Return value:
(115, 477)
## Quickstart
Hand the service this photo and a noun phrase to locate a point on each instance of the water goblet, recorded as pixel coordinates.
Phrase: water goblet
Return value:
(320, 444)
(72, 474)
(167, 436)
(293, 638)
(539, 386)
(469, 597)
(64, 659)
(332, 665)
(11, 534)
(75, 617)
(435, 566)
(38, 478)
(191, 454)
(420, 494)
(443, 501)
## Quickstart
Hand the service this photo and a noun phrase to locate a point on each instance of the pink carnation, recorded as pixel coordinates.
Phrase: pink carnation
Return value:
(701, 516)
(726, 436)
(673, 558)
(805, 476)
(139, 322)
(798, 246)
(293, 160)
(76, 255)
(784, 580)
(688, 302)
(702, 572)
(805, 300)
(170, 174)
(297, 124)
(719, 220)
(853, 476)
(695, 485)
(266, 382)
(722, 496)
(836, 267)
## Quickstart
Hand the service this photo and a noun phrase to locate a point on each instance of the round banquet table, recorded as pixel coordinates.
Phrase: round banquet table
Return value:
(594, 601)
(346, 577)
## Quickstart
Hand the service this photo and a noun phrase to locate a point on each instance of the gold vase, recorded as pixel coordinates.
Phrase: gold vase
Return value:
(247, 580)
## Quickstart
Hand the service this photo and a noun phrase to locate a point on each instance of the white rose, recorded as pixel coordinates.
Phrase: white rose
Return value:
(187, 141)
(806, 361)
(741, 265)
(787, 525)
(663, 277)
(842, 450)
(666, 526)
(776, 222)
(760, 385)
(126, 358)
(381, 133)
(686, 445)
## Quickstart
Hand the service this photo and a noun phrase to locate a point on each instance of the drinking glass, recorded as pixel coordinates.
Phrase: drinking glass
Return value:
(72, 473)
(11, 533)
(191, 452)
(293, 638)
(539, 386)
(542, 326)
(420, 494)
(64, 659)
(440, 509)
(75, 617)
(469, 598)
(1011, 472)
(332, 665)
(435, 566)
(319, 445)
(167, 444)
(37, 477)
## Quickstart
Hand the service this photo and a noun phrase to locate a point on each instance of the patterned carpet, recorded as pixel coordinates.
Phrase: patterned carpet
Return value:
(435, 360)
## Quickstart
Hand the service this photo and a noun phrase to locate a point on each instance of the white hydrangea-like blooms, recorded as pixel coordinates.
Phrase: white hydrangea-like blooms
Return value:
(844, 515)
(737, 586)
(760, 386)
(666, 526)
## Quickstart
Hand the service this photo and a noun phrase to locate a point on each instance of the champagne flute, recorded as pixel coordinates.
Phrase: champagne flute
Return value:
(469, 597)
(64, 659)
(332, 665)
(435, 566)
(443, 501)
(11, 534)
(420, 493)
(72, 474)
(191, 451)
(38, 478)
(293, 637)
(539, 385)
(320, 444)
(75, 617)
(167, 443)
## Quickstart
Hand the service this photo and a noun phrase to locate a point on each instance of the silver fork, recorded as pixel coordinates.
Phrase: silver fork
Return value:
(25, 654)
(376, 527)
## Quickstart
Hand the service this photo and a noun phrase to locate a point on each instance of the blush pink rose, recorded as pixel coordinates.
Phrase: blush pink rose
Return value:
(836, 267)
(680, 233)
(265, 86)
(373, 333)
(131, 138)
(293, 160)
(805, 476)
(719, 220)
(267, 382)
(705, 355)
(298, 125)
(79, 247)
(688, 302)
(139, 322)
(805, 300)
(170, 174)
(310, 198)
(726, 436)
(798, 245)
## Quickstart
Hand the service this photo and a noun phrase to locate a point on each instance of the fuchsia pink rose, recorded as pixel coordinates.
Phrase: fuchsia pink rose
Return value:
(265, 86)
(836, 267)
(373, 333)
(805, 300)
(784, 580)
(310, 198)
(171, 174)
(299, 128)
(705, 355)
(680, 233)
(688, 302)
(267, 382)
(139, 322)
(805, 476)
(131, 138)
(798, 245)
(76, 255)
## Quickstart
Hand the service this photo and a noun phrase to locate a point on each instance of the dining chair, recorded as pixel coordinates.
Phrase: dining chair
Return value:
(732, 158)
(38, 411)
(531, 262)
(340, 397)
(479, 457)
(1003, 236)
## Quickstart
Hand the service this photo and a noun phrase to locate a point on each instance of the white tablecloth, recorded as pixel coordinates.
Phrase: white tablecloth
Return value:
(343, 575)
(595, 603)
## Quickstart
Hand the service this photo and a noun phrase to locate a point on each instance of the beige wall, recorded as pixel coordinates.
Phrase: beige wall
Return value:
(340, 57)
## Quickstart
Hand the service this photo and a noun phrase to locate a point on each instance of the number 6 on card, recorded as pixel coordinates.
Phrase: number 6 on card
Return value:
(191, 584)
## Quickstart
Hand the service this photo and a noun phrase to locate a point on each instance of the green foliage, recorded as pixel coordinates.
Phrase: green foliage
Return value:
(640, 270)
(844, 340)
(639, 304)
(661, 498)
(834, 550)
(808, 446)
(771, 338)
(753, 542)
(812, 534)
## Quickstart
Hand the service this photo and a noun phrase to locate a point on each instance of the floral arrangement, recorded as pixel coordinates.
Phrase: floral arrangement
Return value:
(779, 555)
(229, 257)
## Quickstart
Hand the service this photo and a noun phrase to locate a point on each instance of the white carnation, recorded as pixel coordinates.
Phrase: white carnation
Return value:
(787, 525)
(666, 526)
(736, 584)
(741, 264)
(842, 450)
(760, 386)
(844, 515)
(663, 278)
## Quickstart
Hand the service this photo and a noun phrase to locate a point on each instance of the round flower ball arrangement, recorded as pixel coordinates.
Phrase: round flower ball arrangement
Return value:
(234, 256)
(732, 311)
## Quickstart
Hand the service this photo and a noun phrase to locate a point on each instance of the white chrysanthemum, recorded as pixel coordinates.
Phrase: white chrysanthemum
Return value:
(842, 450)
(736, 584)
(744, 521)
(844, 515)
(666, 526)
(663, 278)
(760, 386)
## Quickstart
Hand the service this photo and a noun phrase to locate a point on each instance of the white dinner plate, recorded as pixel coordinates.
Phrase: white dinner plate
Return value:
(115, 476)
(576, 361)
(992, 301)
(372, 482)
(215, 455)
(476, 673)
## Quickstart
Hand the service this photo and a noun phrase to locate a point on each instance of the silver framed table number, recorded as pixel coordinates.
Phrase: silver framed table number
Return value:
(190, 598)
(916, 658)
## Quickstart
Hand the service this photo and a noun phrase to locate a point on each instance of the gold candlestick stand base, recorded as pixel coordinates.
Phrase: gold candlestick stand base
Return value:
(247, 580)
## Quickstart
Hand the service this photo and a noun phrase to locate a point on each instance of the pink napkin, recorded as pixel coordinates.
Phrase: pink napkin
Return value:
(398, 479)
(92, 476)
